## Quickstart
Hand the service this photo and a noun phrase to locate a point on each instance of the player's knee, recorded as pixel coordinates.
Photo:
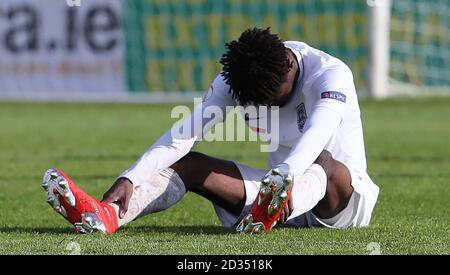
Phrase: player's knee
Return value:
(190, 168)
(325, 159)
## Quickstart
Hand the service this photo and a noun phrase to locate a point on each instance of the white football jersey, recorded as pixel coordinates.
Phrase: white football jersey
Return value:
(324, 83)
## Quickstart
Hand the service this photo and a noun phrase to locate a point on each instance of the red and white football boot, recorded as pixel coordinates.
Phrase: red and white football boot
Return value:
(274, 193)
(84, 212)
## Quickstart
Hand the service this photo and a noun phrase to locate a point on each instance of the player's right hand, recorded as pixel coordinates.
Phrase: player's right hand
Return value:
(278, 178)
(120, 193)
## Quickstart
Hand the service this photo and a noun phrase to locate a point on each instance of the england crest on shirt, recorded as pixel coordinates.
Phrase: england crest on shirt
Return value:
(301, 116)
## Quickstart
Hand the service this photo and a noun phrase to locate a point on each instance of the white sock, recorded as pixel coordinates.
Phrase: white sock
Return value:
(164, 190)
(308, 190)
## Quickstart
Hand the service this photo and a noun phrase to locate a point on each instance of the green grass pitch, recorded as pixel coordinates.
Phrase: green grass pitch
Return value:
(407, 145)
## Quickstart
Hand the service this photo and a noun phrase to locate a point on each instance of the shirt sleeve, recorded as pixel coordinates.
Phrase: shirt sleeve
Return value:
(182, 137)
(318, 130)
(333, 91)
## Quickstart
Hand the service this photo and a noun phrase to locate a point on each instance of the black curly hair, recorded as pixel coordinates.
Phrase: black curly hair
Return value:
(255, 66)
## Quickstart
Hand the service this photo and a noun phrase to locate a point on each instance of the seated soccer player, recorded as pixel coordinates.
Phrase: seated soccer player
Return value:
(316, 177)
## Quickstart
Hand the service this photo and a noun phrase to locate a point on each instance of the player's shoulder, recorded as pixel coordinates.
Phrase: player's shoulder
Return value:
(334, 82)
(301, 49)
(319, 63)
(333, 88)
(219, 92)
(297, 45)
(337, 72)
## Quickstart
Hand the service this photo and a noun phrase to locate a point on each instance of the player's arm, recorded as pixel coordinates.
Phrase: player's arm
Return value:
(169, 148)
(318, 130)
(333, 92)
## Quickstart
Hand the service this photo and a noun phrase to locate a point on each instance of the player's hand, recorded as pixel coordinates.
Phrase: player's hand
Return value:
(120, 192)
(286, 212)
(281, 176)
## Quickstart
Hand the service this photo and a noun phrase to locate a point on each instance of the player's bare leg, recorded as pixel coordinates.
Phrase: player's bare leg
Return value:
(220, 182)
(215, 179)
(325, 188)
(339, 188)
